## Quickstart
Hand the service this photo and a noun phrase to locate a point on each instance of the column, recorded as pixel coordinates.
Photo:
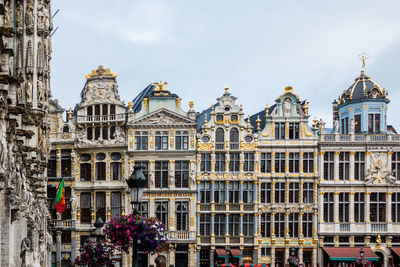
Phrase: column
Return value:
(241, 162)
(389, 207)
(351, 207)
(273, 162)
(351, 176)
(389, 163)
(73, 245)
(366, 207)
(151, 173)
(171, 176)
(58, 238)
(58, 158)
(314, 257)
(241, 192)
(321, 165)
(227, 160)
(255, 195)
(336, 207)
(211, 257)
(241, 226)
(255, 255)
(336, 166)
(213, 162)
(300, 254)
(287, 162)
(273, 192)
(301, 153)
(108, 206)
(301, 224)
(272, 256)
(301, 192)
(198, 258)
(316, 163)
(171, 214)
(321, 207)
(212, 192)
(152, 208)
(287, 224)
(226, 192)
(212, 225)
(192, 255)
(227, 225)
(256, 218)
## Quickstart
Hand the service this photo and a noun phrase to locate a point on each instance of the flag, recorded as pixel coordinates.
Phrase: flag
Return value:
(60, 198)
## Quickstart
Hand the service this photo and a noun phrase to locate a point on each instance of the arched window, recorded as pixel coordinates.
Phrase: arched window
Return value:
(89, 133)
(105, 132)
(66, 129)
(96, 133)
(219, 138)
(112, 112)
(234, 138)
(112, 132)
(105, 112)
(90, 113)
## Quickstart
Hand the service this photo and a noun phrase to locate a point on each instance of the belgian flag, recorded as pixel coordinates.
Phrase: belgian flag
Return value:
(60, 198)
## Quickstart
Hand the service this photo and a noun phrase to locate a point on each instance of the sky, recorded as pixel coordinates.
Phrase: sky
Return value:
(255, 47)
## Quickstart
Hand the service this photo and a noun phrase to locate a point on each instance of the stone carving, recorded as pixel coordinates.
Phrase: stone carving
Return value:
(29, 57)
(40, 90)
(119, 136)
(378, 172)
(352, 126)
(26, 252)
(321, 125)
(6, 17)
(171, 178)
(19, 14)
(28, 90)
(29, 14)
(336, 126)
(160, 118)
(73, 204)
(287, 107)
(151, 177)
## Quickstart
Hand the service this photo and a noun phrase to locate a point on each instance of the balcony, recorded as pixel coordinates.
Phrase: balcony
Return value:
(344, 227)
(63, 223)
(101, 118)
(361, 137)
(378, 227)
(181, 235)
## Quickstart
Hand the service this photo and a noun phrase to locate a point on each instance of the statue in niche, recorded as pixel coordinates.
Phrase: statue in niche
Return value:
(378, 172)
(336, 126)
(73, 204)
(119, 136)
(5, 63)
(19, 94)
(29, 14)
(192, 176)
(151, 178)
(19, 14)
(321, 125)
(6, 16)
(352, 126)
(171, 178)
(26, 252)
(287, 107)
(40, 90)
(28, 90)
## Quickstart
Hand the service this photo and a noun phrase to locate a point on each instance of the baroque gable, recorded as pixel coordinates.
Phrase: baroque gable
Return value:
(162, 117)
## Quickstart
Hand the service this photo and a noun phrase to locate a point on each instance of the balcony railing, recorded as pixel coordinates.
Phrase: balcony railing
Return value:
(344, 227)
(63, 223)
(101, 118)
(378, 227)
(181, 235)
(361, 137)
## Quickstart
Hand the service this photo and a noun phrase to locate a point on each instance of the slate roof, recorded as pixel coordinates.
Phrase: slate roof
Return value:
(201, 116)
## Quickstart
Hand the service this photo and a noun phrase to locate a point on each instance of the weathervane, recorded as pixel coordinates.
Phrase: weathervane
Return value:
(364, 56)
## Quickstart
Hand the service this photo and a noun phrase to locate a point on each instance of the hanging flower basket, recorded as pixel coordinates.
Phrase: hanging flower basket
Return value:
(294, 260)
(149, 233)
(363, 262)
(96, 254)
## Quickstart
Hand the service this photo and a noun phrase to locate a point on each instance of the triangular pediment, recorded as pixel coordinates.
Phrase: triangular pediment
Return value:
(162, 117)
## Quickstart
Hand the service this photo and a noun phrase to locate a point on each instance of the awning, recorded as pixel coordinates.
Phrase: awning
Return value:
(349, 254)
(396, 250)
(236, 253)
(221, 252)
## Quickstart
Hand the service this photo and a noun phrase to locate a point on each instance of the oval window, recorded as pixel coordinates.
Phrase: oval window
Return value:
(205, 139)
(85, 157)
(248, 138)
(234, 118)
(115, 156)
(100, 156)
(220, 118)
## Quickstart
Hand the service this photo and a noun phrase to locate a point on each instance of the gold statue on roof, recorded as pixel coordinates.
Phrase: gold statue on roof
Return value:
(160, 88)
(363, 57)
(100, 72)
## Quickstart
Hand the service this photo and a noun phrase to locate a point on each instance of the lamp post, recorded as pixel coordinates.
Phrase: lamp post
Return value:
(136, 182)
(97, 234)
(293, 260)
(361, 260)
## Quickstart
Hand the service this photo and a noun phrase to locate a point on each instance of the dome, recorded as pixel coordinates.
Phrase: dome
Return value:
(363, 88)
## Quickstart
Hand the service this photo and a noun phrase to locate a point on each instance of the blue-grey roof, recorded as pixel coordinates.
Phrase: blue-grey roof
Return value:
(137, 101)
(261, 115)
(201, 116)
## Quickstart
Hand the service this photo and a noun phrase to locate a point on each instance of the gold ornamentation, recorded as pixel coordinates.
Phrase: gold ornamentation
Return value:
(268, 131)
(306, 108)
(258, 122)
(100, 72)
(177, 102)
(130, 105)
(288, 89)
(131, 142)
(145, 103)
(191, 104)
(192, 141)
(205, 146)
(161, 89)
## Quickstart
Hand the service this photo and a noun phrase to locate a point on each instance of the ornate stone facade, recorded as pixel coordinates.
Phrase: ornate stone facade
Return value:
(25, 50)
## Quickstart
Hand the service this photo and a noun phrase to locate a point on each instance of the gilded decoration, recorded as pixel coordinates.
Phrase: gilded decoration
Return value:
(160, 89)
(101, 72)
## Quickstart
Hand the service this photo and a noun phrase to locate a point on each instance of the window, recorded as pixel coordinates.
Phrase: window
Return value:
(234, 139)
(344, 165)
(66, 215)
(396, 207)
(205, 224)
(234, 192)
(90, 113)
(112, 132)
(219, 192)
(344, 205)
(112, 112)
(65, 129)
(234, 222)
(294, 162)
(144, 209)
(144, 165)
(280, 193)
(141, 140)
(328, 207)
(307, 224)
(219, 162)
(205, 192)
(182, 215)
(308, 192)
(52, 164)
(219, 139)
(86, 171)
(280, 162)
(161, 140)
(329, 165)
(359, 166)
(308, 162)
(162, 212)
(181, 174)
(359, 207)
(248, 225)
(294, 193)
(219, 225)
(66, 163)
(205, 165)
(89, 133)
(101, 205)
(248, 191)
(100, 171)
(293, 225)
(279, 130)
(85, 208)
(280, 225)
(345, 125)
(161, 174)
(65, 237)
(97, 110)
(396, 164)
(105, 111)
(266, 193)
(115, 170)
(374, 123)
(357, 121)
(105, 132)
(181, 140)
(266, 162)
(266, 224)
(293, 130)
(115, 204)
(220, 118)
(378, 207)
(248, 165)
(234, 159)
(265, 252)
(96, 133)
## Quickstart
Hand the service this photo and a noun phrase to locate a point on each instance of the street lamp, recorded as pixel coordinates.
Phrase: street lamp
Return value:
(361, 260)
(97, 234)
(293, 260)
(136, 182)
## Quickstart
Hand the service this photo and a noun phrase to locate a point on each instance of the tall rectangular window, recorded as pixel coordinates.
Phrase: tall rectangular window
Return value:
(205, 192)
(279, 130)
(359, 207)
(234, 160)
(329, 165)
(266, 162)
(144, 209)
(115, 171)
(328, 207)
(234, 222)
(219, 224)
(293, 130)
(308, 193)
(101, 205)
(161, 208)
(378, 207)
(344, 165)
(280, 225)
(85, 208)
(279, 162)
(359, 166)
(141, 140)
(86, 171)
(248, 191)
(248, 224)
(374, 123)
(115, 204)
(307, 224)
(205, 224)
(345, 125)
(248, 165)
(396, 164)
(182, 174)
(280, 193)
(233, 192)
(205, 165)
(266, 193)
(266, 224)
(357, 122)
(344, 205)
(100, 171)
(66, 162)
(161, 174)
(161, 140)
(396, 207)
(294, 160)
(182, 215)
(308, 162)
(219, 162)
(219, 192)
(52, 164)
(294, 193)
(294, 225)
(182, 140)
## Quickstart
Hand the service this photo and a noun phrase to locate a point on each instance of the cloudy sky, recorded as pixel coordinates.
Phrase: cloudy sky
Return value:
(255, 47)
